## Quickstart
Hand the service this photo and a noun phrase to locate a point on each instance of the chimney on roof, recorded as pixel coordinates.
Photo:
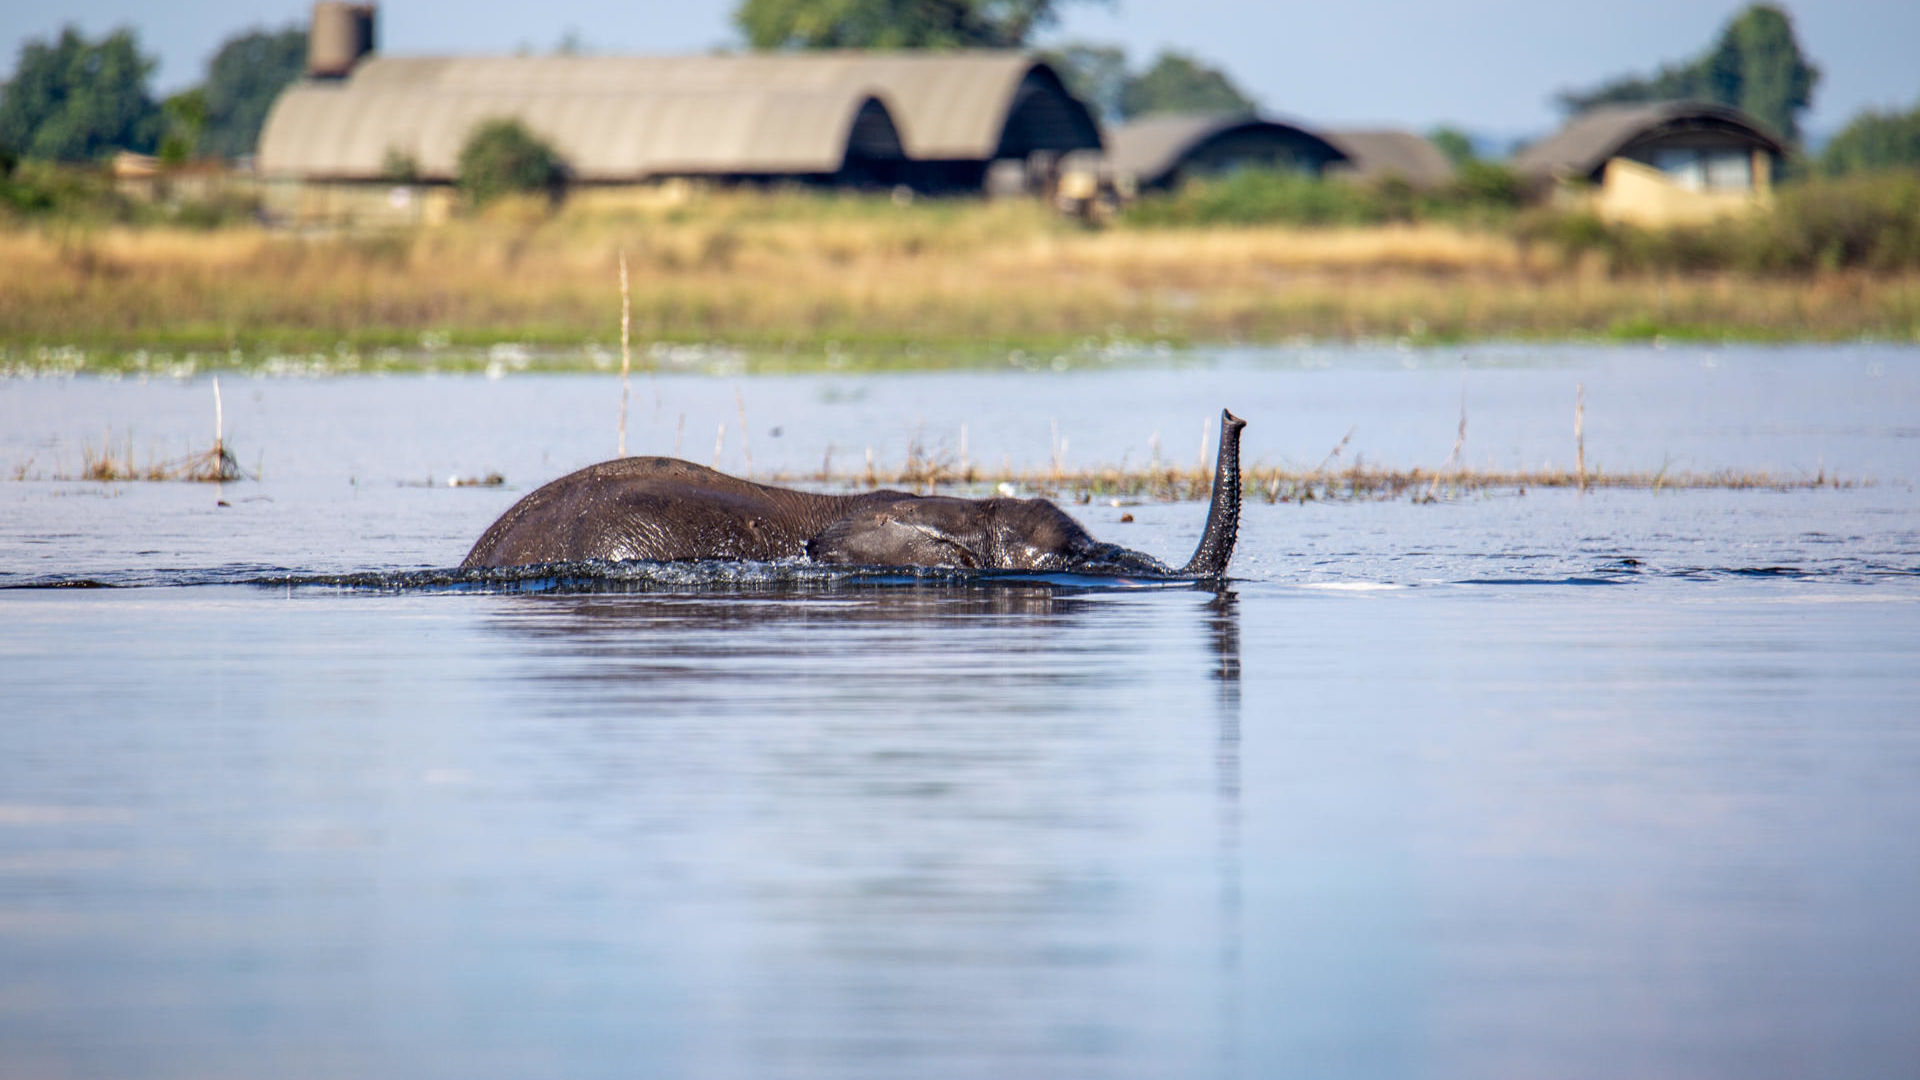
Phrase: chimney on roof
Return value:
(339, 36)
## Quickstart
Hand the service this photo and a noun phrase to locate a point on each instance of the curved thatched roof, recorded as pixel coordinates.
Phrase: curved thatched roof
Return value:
(1591, 139)
(1378, 154)
(1155, 149)
(617, 118)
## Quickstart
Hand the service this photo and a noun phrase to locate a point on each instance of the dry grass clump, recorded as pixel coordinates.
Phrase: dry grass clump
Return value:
(215, 465)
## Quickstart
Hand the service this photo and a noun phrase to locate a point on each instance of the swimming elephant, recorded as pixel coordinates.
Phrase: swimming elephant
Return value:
(664, 508)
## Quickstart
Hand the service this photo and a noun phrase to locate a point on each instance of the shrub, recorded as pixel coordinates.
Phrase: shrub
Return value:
(1870, 222)
(1260, 196)
(44, 189)
(1482, 191)
(502, 157)
(1485, 184)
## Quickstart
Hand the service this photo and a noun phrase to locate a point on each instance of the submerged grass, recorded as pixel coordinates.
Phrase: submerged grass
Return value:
(1280, 483)
(806, 281)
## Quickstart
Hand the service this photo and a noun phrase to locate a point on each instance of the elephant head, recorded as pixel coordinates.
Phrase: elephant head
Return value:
(1024, 534)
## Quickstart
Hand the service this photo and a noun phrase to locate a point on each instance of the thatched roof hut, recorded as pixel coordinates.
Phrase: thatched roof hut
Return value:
(1374, 155)
(927, 119)
(1669, 135)
(1160, 151)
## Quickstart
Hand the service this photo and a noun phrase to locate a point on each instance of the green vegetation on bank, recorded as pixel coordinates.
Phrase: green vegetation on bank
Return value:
(1483, 194)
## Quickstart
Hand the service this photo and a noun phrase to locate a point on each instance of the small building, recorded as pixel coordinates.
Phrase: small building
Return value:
(930, 121)
(1380, 154)
(1667, 163)
(1160, 152)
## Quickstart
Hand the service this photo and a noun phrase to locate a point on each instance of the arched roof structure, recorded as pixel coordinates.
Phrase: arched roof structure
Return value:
(1158, 151)
(1584, 146)
(627, 118)
(1379, 154)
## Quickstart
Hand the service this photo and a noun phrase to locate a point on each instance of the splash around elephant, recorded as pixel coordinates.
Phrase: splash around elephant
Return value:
(667, 509)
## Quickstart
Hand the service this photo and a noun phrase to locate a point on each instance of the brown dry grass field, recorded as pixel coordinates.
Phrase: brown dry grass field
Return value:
(803, 274)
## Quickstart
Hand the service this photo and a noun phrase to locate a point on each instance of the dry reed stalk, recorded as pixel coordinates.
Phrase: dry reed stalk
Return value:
(1453, 459)
(1335, 452)
(626, 354)
(1579, 432)
(719, 441)
(746, 448)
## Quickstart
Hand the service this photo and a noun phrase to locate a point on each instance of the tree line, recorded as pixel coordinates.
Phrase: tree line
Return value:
(76, 99)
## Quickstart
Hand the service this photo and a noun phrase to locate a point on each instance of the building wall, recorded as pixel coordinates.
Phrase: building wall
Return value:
(353, 203)
(1638, 193)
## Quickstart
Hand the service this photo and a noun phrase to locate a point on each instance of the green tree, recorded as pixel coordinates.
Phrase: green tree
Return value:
(502, 157)
(1874, 141)
(892, 24)
(1455, 144)
(1096, 74)
(186, 122)
(1756, 66)
(243, 79)
(1180, 83)
(76, 100)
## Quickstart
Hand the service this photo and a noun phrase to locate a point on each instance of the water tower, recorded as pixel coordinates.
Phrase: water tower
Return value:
(339, 36)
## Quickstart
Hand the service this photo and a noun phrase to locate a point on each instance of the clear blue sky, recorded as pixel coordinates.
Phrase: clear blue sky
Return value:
(1486, 65)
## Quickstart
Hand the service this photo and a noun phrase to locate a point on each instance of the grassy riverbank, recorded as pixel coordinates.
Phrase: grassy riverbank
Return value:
(800, 279)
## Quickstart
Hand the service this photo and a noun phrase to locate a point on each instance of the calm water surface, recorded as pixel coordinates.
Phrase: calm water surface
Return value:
(1534, 785)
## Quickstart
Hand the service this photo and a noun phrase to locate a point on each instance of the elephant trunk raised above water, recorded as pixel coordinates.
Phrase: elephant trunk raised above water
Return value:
(664, 508)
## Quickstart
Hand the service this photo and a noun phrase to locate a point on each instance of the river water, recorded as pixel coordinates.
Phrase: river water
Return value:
(1501, 785)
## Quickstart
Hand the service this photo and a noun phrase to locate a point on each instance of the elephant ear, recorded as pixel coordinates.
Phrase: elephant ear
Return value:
(894, 537)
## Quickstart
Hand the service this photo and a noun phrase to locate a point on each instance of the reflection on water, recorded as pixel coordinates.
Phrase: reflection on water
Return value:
(930, 803)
